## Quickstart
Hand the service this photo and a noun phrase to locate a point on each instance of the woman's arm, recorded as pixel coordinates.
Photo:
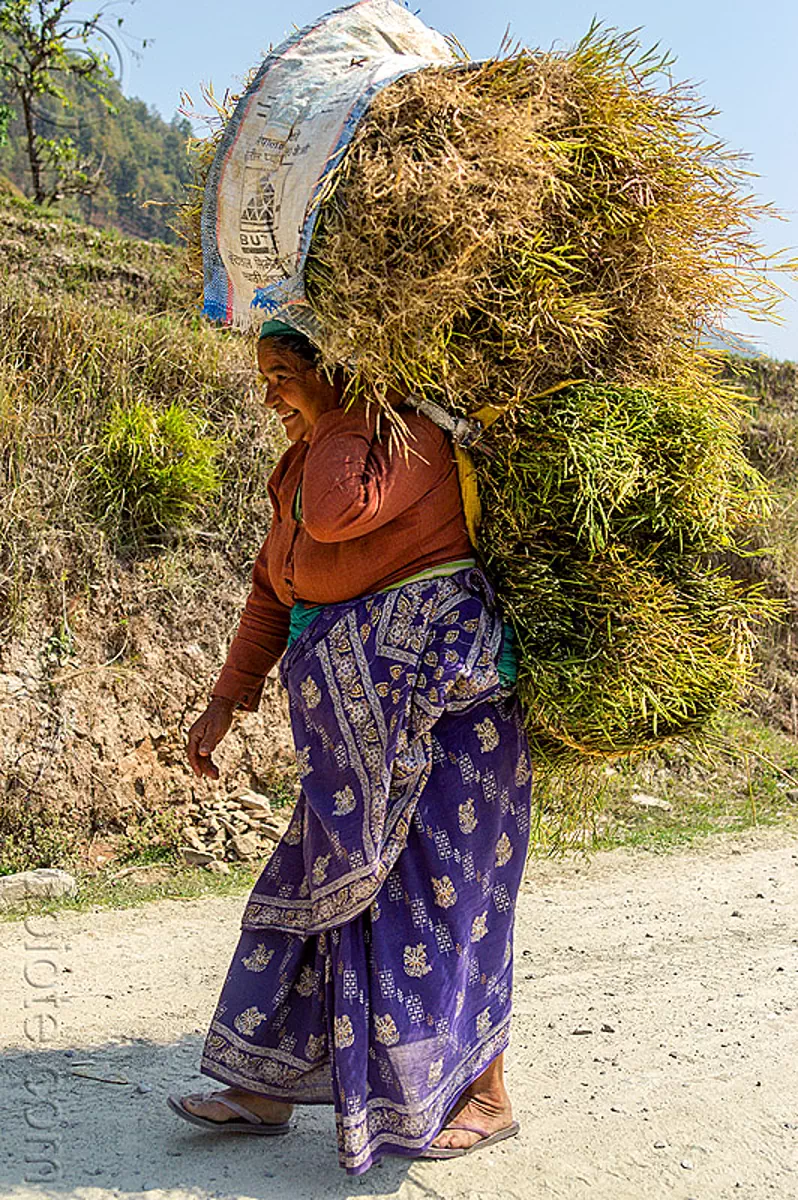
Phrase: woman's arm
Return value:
(351, 485)
(260, 641)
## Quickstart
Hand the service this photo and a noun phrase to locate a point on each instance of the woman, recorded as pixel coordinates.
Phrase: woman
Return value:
(375, 961)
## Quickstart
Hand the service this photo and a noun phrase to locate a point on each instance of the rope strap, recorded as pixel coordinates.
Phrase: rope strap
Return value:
(465, 432)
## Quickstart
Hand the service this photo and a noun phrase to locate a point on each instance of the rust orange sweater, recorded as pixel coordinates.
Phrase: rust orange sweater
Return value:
(368, 520)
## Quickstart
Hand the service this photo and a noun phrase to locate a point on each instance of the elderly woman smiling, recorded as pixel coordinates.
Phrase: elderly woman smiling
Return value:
(374, 968)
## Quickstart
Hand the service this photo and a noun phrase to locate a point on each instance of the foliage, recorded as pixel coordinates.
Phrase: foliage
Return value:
(601, 504)
(145, 167)
(154, 837)
(42, 44)
(32, 836)
(151, 471)
(75, 138)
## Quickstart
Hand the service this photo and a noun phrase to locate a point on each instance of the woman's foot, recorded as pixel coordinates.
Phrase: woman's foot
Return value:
(484, 1105)
(271, 1112)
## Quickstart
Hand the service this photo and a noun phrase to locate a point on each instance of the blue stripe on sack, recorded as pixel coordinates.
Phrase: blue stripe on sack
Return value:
(216, 279)
(273, 297)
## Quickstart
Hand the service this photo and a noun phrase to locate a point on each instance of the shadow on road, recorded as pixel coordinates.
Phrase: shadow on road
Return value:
(68, 1134)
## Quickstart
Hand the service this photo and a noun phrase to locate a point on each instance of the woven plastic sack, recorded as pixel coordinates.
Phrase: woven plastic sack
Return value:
(287, 132)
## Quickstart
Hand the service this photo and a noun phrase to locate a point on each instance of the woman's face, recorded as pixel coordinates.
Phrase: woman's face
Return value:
(294, 390)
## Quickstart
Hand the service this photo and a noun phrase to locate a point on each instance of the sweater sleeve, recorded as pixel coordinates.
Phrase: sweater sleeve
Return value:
(352, 486)
(260, 641)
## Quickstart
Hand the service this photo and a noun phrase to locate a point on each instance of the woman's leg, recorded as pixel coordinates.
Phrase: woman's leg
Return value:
(485, 1105)
(268, 1037)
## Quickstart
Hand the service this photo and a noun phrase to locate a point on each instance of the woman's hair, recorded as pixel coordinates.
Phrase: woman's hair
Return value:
(298, 344)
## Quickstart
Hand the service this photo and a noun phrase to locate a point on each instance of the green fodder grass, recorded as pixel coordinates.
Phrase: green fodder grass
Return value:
(591, 465)
(601, 507)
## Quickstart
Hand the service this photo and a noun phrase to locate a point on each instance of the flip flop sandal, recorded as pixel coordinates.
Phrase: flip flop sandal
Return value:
(250, 1123)
(485, 1140)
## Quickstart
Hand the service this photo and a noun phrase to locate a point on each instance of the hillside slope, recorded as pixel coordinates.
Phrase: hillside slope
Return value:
(107, 649)
(145, 165)
(772, 442)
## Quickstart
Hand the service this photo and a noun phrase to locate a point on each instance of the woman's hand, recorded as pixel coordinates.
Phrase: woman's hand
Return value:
(206, 733)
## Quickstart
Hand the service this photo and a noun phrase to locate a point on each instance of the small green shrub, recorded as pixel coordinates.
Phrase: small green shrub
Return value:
(34, 835)
(152, 471)
(155, 837)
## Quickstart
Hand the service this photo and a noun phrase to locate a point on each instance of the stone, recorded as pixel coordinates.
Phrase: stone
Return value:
(192, 838)
(11, 685)
(195, 858)
(273, 829)
(646, 801)
(45, 883)
(254, 802)
(245, 845)
(217, 867)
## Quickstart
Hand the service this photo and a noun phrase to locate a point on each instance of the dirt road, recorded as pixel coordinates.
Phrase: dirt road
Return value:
(654, 1054)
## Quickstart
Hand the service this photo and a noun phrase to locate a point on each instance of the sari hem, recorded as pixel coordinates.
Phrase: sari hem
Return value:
(233, 1079)
(406, 1147)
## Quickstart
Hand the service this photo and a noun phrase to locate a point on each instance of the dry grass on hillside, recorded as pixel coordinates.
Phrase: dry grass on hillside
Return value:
(109, 642)
(772, 446)
(79, 347)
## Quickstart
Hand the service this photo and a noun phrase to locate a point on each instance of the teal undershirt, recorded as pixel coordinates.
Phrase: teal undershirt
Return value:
(507, 663)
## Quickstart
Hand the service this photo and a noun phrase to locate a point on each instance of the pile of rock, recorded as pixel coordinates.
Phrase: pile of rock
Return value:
(243, 828)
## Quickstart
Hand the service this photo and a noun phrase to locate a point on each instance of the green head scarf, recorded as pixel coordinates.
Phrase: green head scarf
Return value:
(278, 329)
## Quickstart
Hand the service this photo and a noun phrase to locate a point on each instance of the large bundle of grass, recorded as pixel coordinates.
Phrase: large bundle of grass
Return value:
(542, 242)
(602, 506)
(497, 228)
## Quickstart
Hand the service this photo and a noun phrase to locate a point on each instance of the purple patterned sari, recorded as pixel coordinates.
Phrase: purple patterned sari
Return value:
(374, 966)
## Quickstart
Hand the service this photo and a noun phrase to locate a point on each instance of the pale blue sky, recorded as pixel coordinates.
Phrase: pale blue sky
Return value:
(741, 52)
